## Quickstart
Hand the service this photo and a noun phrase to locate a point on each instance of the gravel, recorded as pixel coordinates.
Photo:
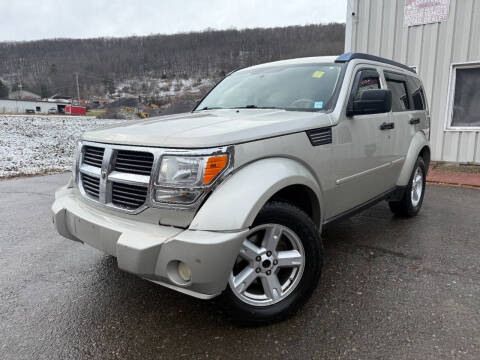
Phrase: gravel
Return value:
(35, 144)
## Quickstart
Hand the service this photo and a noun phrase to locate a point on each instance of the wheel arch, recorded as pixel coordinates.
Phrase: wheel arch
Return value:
(237, 201)
(419, 146)
(302, 197)
(425, 154)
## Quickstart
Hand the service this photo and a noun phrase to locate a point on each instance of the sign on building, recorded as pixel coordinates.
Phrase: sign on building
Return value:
(419, 12)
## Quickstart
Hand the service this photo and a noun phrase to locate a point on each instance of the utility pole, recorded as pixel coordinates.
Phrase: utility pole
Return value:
(20, 88)
(78, 88)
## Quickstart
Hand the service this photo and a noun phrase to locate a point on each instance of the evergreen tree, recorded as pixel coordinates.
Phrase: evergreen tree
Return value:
(3, 90)
(43, 91)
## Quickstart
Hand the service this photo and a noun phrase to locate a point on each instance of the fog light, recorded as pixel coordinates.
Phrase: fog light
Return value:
(184, 271)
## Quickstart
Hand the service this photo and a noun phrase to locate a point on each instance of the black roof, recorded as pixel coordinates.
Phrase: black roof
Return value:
(351, 56)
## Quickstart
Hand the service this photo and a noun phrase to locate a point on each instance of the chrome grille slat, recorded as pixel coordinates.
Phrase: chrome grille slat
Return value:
(147, 162)
(134, 162)
(117, 196)
(93, 156)
(135, 167)
(126, 204)
(91, 185)
(130, 196)
(92, 192)
(134, 192)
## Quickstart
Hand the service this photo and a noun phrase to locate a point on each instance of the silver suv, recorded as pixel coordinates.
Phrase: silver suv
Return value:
(231, 198)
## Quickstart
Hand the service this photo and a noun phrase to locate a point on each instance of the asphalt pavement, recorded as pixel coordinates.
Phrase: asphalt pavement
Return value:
(391, 289)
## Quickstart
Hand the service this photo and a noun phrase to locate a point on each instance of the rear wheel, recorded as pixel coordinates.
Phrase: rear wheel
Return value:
(278, 266)
(412, 199)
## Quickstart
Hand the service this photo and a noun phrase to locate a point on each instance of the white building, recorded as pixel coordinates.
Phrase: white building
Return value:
(8, 106)
(441, 39)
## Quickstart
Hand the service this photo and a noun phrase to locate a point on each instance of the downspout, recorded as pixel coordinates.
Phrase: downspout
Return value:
(351, 13)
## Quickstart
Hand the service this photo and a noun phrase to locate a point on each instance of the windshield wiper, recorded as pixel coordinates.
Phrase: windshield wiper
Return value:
(209, 108)
(255, 107)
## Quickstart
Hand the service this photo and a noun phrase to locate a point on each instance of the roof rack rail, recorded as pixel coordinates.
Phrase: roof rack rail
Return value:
(350, 56)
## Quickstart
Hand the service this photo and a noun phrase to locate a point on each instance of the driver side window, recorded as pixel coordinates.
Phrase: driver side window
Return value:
(368, 81)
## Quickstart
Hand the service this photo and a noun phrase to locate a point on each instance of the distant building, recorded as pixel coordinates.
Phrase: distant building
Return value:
(64, 98)
(11, 106)
(24, 95)
(441, 40)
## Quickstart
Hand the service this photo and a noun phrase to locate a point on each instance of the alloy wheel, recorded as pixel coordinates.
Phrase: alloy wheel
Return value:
(417, 187)
(269, 267)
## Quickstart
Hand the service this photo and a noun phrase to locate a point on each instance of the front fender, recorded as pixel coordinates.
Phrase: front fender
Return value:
(237, 201)
(419, 141)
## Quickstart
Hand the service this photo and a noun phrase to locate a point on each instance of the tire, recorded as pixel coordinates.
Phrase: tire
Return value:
(258, 302)
(412, 199)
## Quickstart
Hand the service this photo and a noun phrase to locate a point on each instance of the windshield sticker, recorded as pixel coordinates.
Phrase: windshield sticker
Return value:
(318, 105)
(318, 74)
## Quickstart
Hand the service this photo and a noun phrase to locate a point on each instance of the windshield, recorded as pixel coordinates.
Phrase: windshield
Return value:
(302, 87)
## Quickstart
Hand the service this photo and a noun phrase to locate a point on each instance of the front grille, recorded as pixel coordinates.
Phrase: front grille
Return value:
(133, 162)
(128, 196)
(93, 156)
(91, 185)
(116, 176)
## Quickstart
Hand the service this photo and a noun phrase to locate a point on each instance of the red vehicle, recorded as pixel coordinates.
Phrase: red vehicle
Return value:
(75, 110)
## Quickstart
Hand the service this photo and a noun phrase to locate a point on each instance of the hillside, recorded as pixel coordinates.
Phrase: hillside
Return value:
(109, 64)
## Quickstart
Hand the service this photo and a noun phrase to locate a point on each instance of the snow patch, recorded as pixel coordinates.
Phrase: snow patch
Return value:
(41, 144)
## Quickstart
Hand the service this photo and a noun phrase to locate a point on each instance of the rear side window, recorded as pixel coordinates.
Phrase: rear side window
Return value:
(416, 93)
(398, 85)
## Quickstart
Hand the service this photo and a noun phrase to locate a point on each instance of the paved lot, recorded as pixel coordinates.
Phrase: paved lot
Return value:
(391, 288)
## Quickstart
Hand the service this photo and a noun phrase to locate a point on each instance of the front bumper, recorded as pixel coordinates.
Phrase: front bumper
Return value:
(151, 251)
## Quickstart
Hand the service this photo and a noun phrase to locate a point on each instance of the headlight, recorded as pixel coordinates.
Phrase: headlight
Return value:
(182, 178)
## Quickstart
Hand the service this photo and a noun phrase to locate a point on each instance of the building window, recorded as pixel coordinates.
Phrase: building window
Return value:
(38, 109)
(464, 93)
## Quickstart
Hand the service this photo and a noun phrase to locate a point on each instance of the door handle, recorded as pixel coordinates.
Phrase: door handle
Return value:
(387, 126)
(414, 121)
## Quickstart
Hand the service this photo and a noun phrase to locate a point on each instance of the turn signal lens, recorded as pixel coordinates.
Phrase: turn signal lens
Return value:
(215, 165)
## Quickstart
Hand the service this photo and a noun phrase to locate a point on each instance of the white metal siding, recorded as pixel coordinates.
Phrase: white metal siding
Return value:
(20, 106)
(377, 28)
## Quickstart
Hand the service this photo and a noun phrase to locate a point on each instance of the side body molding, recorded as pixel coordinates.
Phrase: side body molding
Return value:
(237, 201)
(419, 141)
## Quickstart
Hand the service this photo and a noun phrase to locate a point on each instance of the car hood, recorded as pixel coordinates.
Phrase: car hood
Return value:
(209, 128)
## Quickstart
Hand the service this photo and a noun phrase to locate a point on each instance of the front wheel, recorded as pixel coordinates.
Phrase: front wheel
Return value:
(412, 199)
(278, 266)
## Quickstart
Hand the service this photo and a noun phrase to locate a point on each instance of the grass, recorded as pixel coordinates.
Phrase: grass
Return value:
(95, 112)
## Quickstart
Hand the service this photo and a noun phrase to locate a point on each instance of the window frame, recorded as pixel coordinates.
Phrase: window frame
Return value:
(355, 82)
(451, 96)
(420, 89)
(401, 78)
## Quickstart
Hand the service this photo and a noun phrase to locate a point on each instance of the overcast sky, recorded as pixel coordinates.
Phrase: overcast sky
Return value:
(46, 19)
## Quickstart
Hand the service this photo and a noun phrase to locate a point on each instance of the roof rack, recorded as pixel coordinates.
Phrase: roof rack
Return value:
(350, 56)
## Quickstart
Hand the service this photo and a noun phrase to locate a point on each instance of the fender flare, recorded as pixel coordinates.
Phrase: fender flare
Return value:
(419, 141)
(236, 202)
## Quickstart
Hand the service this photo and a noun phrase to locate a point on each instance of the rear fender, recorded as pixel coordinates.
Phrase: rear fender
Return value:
(419, 141)
(237, 201)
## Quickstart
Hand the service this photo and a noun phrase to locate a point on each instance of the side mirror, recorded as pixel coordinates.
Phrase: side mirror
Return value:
(374, 101)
